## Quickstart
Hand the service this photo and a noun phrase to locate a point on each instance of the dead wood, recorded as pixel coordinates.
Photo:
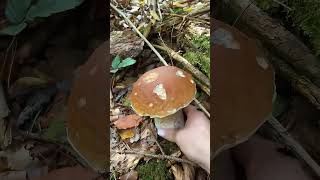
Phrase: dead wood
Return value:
(298, 150)
(277, 38)
(203, 80)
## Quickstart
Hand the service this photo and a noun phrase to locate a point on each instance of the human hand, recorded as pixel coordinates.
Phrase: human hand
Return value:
(194, 138)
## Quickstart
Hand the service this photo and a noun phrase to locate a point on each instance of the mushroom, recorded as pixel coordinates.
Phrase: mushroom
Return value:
(243, 87)
(161, 93)
(87, 124)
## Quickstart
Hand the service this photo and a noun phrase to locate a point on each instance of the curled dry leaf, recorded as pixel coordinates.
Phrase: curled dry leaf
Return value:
(177, 172)
(132, 175)
(17, 159)
(189, 171)
(127, 133)
(129, 121)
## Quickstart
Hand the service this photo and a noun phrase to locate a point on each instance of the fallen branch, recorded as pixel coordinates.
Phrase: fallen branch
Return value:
(277, 38)
(286, 138)
(155, 156)
(301, 84)
(204, 80)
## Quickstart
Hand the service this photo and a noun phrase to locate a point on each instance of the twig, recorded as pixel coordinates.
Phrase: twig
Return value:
(301, 84)
(282, 4)
(155, 156)
(11, 64)
(294, 145)
(242, 13)
(33, 121)
(158, 144)
(205, 82)
(201, 106)
(200, 11)
(6, 55)
(139, 33)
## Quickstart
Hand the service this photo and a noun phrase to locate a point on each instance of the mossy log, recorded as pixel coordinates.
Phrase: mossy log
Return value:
(276, 38)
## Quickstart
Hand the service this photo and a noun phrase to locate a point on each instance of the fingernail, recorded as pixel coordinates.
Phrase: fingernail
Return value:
(161, 132)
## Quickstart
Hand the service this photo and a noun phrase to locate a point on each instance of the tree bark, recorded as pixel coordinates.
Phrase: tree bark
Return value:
(277, 38)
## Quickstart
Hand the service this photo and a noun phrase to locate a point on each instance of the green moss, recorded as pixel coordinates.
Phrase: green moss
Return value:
(154, 170)
(304, 17)
(169, 147)
(200, 60)
(199, 54)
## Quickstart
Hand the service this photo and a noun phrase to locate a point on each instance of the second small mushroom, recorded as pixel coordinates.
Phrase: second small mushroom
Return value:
(161, 93)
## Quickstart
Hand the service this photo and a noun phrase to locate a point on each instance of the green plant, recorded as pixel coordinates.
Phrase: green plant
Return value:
(118, 64)
(154, 170)
(199, 54)
(20, 13)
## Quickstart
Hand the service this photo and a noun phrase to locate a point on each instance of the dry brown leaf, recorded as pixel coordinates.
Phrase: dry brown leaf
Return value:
(177, 172)
(132, 175)
(127, 133)
(189, 171)
(19, 159)
(14, 175)
(123, 162)
(129, 121)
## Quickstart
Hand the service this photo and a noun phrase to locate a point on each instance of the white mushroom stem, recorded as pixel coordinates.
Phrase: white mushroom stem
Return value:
(173, 121)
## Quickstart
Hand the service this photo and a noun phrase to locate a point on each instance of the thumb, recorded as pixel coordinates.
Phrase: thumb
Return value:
(168, 133)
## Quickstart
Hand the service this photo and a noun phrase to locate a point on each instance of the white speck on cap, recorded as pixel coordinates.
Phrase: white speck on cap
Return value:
(151, 77)
(160, 91)
(180, 73)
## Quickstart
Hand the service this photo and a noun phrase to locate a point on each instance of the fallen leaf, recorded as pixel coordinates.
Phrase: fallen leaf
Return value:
(56, 119)
(177, 172)
(129, 121)
(127, 133)
(178, 4)
(189, 171)
(25, 85)
(14, 175)
(123, 162)
(132, 175)
(19, 159)
(136, 136)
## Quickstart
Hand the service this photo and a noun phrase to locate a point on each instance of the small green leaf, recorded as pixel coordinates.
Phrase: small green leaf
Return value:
(13, 30)
(16, 10)
(126, 62)
(44, 8)
(116, 61)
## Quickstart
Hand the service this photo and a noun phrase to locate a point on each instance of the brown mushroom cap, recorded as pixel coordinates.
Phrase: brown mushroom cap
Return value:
(162, 91)
(243, 87)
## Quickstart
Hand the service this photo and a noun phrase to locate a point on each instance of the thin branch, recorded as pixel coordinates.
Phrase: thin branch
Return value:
(139, 33)
(294, 145)
(202, 107)
(205, 82)
(158, 144)
(282, 4)
(154, 156)
(242, 13)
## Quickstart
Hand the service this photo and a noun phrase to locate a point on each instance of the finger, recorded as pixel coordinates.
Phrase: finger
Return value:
(189, 110)
(168, 134)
